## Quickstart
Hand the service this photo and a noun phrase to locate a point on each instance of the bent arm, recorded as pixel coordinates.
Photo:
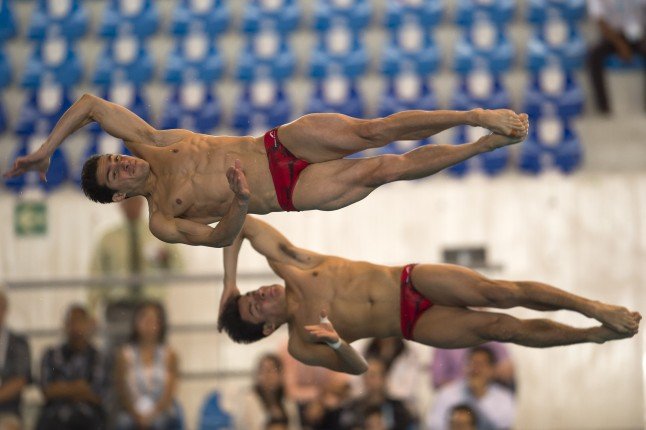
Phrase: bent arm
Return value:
(230, 260)
(274, 246)
(345, 359)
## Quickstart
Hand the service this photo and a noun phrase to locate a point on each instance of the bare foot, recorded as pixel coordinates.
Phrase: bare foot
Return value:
(603, 334)
(501, 121)
(494, 141)
(617, 318)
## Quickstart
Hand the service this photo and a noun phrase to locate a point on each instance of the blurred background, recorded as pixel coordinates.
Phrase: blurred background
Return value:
(89, 290)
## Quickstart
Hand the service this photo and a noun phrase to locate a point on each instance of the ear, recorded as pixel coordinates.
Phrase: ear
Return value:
(118, 197)
(268, 328)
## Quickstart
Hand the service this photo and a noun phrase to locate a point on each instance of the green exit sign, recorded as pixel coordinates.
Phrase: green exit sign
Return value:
(30, 219)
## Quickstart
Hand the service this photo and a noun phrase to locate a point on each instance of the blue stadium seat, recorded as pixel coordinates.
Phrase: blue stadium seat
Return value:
(266, 54)
(538, 11)
(138, 17)
(5, 69)
(483, 45)
(262, 104)
(498, 11)
(426, 13)
(212, 416)
(57, 174)
(280, 15)
(411, 47)
(352, 13)
(100, 143)
(53, 60)
(66, 18)
(405, 92)
(126, 94)
(8, 27)
(192, 106)
(556, 87)
(209, 16)
(339, 50)
(336, 94)
(124, 58)
(553, 145)
(42, 109)
(556, 41)
(480, 89)
(3, 118)
(194, 57)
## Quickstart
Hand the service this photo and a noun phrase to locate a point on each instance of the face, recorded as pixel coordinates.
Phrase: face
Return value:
(78, 325)
(479, 366)
(121, 173)
(263, 304)
(375, 377)
(148, 323)
(462, 420)
(268, 376)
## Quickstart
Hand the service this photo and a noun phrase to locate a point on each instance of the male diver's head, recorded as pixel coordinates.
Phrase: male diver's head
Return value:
(111, 178)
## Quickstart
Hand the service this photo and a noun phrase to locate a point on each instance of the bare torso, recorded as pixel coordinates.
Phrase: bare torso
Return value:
(191, 178)
(362, 299)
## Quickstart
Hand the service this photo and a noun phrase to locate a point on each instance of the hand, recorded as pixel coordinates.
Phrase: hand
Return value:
(323, 331)
(624, 51)
(238, 182)
(143, 421)
(38, 161)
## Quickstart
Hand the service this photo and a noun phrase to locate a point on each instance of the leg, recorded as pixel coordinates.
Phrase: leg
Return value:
(451, 285)
(448, 327)
(327, 136)
(339, 183)
(596, 58)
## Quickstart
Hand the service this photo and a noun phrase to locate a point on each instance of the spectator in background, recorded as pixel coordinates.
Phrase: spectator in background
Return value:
(494, 405)
(128, 249)
(146, 374)
(449, 365)
(402, 367)
(15, 370)
(266, 404)
(72, 378)
(394, 413)
(622, 28)
(463, 417)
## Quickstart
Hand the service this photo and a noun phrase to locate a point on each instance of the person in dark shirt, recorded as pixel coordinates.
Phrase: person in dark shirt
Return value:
(72, 378)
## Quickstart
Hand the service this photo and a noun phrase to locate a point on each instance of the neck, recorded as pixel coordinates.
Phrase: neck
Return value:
(78, 344)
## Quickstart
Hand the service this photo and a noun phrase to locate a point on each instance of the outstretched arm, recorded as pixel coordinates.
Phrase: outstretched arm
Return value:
(230, 259)
(327, 349)
(178, 230)
(113, 118)
(274, 246)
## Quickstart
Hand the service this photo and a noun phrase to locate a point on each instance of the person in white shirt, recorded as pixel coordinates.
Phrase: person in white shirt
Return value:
(494, 404)
(622, 28)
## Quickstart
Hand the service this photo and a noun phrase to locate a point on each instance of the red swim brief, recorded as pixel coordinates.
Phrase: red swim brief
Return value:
(285, 169)
(411, 303)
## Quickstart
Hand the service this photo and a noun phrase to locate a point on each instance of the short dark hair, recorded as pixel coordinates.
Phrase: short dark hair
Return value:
(486, 351)
(163, 325)
(75, 307)
(232, 323)
(90, 184)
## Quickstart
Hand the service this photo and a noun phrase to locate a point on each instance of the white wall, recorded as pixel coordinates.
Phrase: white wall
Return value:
(583, 233)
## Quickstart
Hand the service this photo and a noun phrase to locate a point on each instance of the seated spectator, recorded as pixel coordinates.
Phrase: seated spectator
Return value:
(323, 412)
(448, 365)
(622, 30)
(463, 417)
(265, 404)
(72, 378)
(494, 404)
(15, 370)
(402, 367)
(394, 413)
(146, 374)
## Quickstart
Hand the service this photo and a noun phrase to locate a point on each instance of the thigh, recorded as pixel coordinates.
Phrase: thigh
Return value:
(335, 184)
(451, 285)
(320, 137)
(451, 327)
